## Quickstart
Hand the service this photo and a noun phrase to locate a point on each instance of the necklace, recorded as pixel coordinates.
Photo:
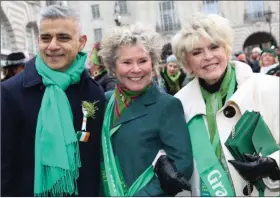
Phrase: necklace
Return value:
(122, 98)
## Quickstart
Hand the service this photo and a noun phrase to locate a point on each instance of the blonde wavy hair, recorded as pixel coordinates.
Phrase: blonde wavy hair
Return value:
(261, 61)
(212, 27)
(134, 34)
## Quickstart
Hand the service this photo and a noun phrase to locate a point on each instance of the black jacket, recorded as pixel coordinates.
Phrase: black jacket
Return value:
(107, 82)
(20, 103)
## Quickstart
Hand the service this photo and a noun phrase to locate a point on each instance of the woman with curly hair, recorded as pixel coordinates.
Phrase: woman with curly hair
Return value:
(140, 121)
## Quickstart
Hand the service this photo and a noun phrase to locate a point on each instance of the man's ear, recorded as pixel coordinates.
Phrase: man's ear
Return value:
(83, 41)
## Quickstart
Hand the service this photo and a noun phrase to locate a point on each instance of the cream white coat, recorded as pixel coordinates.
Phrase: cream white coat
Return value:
(255, 92)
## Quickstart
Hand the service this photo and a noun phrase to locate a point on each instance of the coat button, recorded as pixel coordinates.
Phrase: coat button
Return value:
(248, 189)
(229, 112)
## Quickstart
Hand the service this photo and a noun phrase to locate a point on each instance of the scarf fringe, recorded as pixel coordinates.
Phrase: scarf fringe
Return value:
(67, 184)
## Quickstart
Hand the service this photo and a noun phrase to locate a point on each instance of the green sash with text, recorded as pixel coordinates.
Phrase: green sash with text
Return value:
(113, 180)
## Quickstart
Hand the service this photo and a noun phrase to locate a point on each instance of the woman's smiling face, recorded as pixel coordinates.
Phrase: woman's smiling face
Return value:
(208, 61)
(133, 67)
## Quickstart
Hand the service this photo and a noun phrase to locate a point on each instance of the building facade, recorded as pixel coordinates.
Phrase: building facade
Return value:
(251, 20)
(255, 23)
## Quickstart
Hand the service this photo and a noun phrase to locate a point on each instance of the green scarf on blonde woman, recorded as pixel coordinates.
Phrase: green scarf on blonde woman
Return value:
(214, 102)
(57, 156)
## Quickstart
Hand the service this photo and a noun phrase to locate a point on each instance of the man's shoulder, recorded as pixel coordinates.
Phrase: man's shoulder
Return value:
(93, 88)
(13, 83)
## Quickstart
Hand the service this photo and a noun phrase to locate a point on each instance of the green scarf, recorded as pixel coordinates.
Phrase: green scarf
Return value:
(94, 57)
(123, 98)
(172, 81)
(214, 102)
(175, 77)
(57, 156)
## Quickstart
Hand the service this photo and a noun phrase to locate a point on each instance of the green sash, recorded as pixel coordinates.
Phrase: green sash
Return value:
(112, 175)
(209, 167)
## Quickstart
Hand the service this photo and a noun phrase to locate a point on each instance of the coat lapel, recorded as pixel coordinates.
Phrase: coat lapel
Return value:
(138, 108)
(192, 100)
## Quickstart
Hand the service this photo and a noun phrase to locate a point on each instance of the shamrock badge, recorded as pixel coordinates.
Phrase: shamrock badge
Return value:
(89, 109)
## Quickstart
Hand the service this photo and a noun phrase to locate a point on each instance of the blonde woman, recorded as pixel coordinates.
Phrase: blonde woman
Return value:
(269, 63)
(214, 102)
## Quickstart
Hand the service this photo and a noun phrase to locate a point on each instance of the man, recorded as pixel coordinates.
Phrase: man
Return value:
(50, 144)
(255, 57)
(14, 65)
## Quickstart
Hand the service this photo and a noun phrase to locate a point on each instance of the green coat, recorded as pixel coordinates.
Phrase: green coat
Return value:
(152, 122)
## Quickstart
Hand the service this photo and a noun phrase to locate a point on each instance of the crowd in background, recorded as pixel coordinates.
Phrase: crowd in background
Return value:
(169, 75)
(264, 61)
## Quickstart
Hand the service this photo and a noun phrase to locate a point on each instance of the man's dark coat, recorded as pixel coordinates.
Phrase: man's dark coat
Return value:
(21, 98)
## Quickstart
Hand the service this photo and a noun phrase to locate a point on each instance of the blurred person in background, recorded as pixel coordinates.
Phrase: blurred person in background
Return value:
(173, 76)
(215, 101)
(234, 57)
(14, 65)
(99, 72)
(254, 61)
(277, 52)
(158, 79)
(166, 51)
(269, 63)
(242, 58)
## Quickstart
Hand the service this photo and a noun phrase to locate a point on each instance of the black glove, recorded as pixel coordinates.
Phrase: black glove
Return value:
(256, 168)
(171, 181)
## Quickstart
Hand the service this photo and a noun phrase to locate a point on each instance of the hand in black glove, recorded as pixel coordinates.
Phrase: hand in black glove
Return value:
(171, 181)
(256, 168)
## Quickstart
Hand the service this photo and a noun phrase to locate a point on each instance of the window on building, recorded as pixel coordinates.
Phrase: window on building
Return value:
(211, 7)
(167, 16)
(54, 2)
(255, 6)
(49, 2)
(255, 11)
(97, 35)
(209, 2)
(123, 7)
(95, 11)
(5, 39)
(31, 40)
